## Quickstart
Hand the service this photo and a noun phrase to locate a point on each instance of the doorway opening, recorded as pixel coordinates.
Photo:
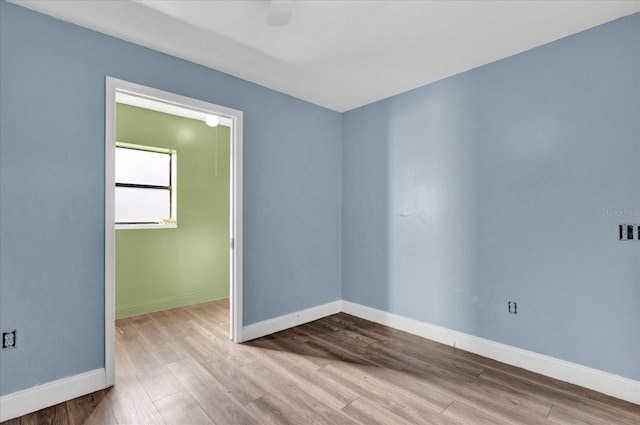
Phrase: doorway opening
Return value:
(124, 92)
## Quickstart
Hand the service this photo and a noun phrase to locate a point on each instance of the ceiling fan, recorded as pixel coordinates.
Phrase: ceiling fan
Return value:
(280, 12)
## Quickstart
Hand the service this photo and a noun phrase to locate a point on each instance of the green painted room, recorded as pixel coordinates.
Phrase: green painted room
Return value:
(163, 268)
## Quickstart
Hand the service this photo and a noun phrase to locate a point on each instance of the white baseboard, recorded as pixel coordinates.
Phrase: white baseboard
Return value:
(42, 396)
(39, 397)
(277, 324)
(607, 383)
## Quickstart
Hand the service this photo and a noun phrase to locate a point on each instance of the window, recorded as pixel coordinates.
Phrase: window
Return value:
(145, 187)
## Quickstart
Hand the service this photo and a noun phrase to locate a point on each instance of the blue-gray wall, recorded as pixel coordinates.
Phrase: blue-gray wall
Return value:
(499, 184)
(52, 84)
(440, 204)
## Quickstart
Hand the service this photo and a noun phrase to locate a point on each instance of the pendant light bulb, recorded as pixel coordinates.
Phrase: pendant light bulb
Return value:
(212, 120)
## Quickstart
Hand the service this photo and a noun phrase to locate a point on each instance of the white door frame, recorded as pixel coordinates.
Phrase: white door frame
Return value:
(114, 86)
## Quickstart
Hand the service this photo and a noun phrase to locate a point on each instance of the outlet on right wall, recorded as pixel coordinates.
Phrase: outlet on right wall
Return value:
(507, 183)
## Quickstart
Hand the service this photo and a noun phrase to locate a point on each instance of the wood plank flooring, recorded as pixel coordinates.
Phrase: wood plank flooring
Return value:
(179, 367)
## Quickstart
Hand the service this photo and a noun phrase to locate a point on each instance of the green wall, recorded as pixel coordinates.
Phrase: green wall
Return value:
(157, 269)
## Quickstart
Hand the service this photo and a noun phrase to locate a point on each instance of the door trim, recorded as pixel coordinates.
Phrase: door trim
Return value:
(113, 86)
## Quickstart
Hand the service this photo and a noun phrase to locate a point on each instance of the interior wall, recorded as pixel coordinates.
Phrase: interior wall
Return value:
(158, 269)
(507, 183)
(502, 183)
(52, 129)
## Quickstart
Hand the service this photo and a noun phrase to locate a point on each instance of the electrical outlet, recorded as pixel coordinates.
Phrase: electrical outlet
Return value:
(512, 307)
(8, 339)
(629, 232)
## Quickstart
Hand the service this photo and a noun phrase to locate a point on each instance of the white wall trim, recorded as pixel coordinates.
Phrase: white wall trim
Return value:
(277, 324)
(42, 396)
(39, 397)
(236, 228)
(597, 380)
(115, 87)
(111, 86)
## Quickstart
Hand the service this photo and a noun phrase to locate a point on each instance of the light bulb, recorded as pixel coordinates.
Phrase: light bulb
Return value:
(212, 120)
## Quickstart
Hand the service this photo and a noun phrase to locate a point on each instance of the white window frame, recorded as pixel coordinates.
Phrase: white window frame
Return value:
(174, 190)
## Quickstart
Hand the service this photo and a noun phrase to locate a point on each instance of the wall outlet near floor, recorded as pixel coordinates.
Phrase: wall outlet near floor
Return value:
(629, 232)
(8, 339)
(512, 306)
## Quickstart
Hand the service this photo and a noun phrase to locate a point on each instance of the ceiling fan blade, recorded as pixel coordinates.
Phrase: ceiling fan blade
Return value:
(280, 12)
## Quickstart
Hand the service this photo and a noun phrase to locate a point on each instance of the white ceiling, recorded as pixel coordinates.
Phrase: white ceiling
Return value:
(339, 54)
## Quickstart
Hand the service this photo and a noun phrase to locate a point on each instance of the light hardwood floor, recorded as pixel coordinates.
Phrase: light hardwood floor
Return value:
(179, 367)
